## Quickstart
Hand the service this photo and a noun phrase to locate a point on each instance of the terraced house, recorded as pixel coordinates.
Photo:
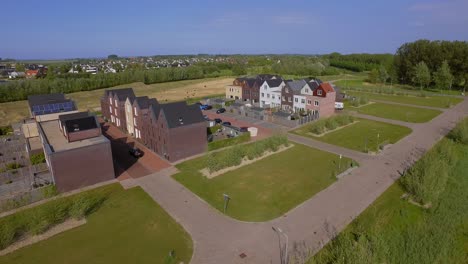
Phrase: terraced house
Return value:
(174, 131)
(270, 93)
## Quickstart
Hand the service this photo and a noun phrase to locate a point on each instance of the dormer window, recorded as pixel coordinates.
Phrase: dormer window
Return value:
(319, 92)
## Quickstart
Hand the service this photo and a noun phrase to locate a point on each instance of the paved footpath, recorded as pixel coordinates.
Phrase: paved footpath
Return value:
(220, 239)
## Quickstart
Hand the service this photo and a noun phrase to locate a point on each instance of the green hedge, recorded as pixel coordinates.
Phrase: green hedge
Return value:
(37, 158)
(460, 132)
(229, 142)
(323, 125)
(6, 130)
(39, 219)
(213, 129)
(233, 156)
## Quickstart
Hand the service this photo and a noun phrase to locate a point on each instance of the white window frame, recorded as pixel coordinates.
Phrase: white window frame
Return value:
(134, 122)
(135, 111)
(316, 103)
(110, 101)
(116, 102)
(319, 92)
(110, 109)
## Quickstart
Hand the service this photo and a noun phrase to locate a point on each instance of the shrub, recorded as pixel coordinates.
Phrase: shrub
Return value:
(229, 142)
(49, 191)
(6, 130)
(37, 158)
(331, 124)
(233, 156)
(460, 132)
(13, 166)
(321, 126)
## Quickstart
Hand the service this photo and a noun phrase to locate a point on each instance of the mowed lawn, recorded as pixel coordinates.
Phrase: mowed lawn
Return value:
(364, 135)
(90, 100)
(398, 112)
(434, 101)
(128, 228)
(267, 188)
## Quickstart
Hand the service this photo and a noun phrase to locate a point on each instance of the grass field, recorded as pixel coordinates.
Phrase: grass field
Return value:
(434, 101)
(398, 112)
(267, 188)
(165, 92)
(362, 135)
(359, 83)
(392, 230)
(129, 228)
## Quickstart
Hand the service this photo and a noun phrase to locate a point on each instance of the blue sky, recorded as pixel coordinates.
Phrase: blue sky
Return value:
(84, 28)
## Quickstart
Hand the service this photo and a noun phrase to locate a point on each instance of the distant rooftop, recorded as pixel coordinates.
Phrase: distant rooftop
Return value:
(58, 142)
(50, 103)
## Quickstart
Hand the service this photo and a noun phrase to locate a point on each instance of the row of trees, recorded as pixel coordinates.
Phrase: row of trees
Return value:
(416, 60)
(359, 62)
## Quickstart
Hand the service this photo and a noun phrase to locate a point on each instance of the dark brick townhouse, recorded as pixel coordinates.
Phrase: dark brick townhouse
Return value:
(177, 130)
(113, 106)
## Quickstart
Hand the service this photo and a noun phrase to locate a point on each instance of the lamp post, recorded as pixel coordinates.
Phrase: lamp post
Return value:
(278, 232)
(339, 163)
(226, 201)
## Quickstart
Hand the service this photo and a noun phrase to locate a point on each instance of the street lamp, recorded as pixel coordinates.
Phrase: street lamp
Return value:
(278, 232)
(226, 201)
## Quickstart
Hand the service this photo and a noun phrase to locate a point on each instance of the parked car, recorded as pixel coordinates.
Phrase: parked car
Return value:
(136, 152)
(218, 120)
(227, 123)
(221, 110)
(244, 129)
(206, 107)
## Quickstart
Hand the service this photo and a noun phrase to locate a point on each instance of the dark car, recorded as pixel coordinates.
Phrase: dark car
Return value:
(227, 123)
(135, 152)
(221, 110)
(244, 129)
(218, 120)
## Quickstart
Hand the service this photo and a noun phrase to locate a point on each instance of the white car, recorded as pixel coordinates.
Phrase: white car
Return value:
(339, 105)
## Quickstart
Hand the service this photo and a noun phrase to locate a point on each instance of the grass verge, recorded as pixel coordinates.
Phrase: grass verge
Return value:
(399, 112)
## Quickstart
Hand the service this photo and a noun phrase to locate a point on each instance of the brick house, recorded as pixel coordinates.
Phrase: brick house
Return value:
(176, 130)
(140, 117)
(113, 106)
(322, 100)
(250, 90)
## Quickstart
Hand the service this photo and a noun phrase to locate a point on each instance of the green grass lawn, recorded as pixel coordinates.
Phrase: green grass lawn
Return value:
(364, 131)
(392, 230)
(398, 112)
(267, 188)
(434, 101)
(128, 228)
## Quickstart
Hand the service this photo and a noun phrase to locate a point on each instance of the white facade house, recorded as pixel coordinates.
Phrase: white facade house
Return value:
(270, 93)
(299, 102)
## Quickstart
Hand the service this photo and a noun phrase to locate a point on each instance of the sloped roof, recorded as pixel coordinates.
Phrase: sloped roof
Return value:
(122, 94)
(155, 107)
(296, 86)
(142, 102)
(327, 87)
(274, 82)
(180, 114)
(313, 84)
(251, 82)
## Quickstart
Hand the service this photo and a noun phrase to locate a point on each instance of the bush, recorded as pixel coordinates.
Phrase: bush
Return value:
(323, 125)
(6, 130)
(37, 158)
(39, 219)
(229, 142)
(233, 156)
(13, 166)
(460, 132)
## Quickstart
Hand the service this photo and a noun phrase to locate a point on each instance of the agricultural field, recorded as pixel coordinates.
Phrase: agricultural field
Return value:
(398, 112)
(434, 101)
(397, 230)
(363, 135)
(267, 188)
(129, 227)
(89, 100)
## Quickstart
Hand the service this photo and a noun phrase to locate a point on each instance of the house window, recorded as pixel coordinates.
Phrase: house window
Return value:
(268, 95)
(263, 95)
(319, 92)
(282, 98)
(116, 102)
(306, 90)
(134, 121)
(296, 100)
(265, 87)
(309, 102)
(316, 103)
(110, 101)
(135, 111)
(110, 109)
(115, 110)
(273, 96)
(303, 101)
(289, 99)
(286, 90)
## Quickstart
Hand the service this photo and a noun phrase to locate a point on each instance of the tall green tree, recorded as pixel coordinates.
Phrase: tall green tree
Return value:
(421, 75)
(383, 74)
(443, 77)
(373, 76)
